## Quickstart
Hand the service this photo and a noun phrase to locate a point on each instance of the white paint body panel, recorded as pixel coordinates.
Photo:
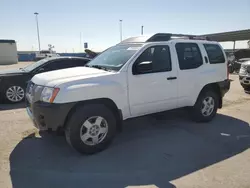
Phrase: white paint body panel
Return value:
(136, 95)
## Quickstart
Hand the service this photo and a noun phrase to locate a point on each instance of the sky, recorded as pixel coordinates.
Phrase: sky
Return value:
(62, 21)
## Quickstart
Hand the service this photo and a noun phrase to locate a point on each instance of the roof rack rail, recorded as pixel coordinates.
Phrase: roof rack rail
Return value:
(163, 37)
(169, 36)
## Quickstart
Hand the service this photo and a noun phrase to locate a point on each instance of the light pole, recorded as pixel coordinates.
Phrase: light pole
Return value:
(80, 41)
(37, 27)
(120, 30)
(142, 29)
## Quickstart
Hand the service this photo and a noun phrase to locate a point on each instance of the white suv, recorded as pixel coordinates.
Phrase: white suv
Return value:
(139, 76)
(244, 75)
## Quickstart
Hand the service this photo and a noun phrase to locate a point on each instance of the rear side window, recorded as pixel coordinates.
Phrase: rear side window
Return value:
(215, 54)
(189, 55)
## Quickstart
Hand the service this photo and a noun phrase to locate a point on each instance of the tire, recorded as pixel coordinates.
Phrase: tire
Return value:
(246, 87)
(18, 94)
(230, 69)
(197, 111)
(75, 127)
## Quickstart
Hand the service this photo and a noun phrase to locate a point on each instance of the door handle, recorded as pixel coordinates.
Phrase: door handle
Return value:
(171, 78)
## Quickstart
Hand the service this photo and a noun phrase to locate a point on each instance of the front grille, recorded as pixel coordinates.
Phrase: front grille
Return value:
(248, 69)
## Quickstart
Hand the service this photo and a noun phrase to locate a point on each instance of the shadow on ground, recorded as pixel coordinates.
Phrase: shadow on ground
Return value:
(12, 106)
(152, 150)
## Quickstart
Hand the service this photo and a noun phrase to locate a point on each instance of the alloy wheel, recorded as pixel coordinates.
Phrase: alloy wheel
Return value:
(15, 94)
(207, 106)
(94, 130)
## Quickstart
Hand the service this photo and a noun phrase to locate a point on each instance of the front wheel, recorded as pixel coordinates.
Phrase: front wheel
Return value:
(14, 94)
(246, 87)
(206, 106)
(91, 128)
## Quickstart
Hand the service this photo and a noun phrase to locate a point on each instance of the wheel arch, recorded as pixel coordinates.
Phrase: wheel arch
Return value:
(109, 103)
(212, 87)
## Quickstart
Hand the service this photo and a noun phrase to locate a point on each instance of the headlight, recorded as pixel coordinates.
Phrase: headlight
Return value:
(49, 94)
(243, 69)
(243, 66)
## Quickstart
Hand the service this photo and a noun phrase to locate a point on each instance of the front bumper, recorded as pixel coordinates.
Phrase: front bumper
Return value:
(46, 116)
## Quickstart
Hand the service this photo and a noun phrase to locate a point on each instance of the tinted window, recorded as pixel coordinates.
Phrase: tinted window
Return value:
(34, 65)
(59, 64)
(157, 58)
(189, 55)
(80, 62)
(215, 54)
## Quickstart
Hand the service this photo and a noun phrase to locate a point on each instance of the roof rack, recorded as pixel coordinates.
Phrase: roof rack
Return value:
(163, 37)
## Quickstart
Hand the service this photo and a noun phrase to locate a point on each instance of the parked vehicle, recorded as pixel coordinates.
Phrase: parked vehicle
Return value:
(8, 52)
(13, 82)
(139, 76)
(46, 53)
(241, 56)
(244, 75)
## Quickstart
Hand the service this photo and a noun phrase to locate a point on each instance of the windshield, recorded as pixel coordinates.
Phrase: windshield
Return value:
(34, 65)
(115, 57)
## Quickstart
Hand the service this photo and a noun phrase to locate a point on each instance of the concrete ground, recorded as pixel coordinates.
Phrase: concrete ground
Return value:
(164, 150)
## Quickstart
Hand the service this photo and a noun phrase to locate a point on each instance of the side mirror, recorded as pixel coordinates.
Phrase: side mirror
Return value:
(144, 67)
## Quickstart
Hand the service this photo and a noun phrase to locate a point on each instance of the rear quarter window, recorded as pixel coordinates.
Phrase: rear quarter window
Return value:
(215, 53)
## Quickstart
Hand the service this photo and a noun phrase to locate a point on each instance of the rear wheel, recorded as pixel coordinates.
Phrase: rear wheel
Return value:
(91, 128)
(206, 106)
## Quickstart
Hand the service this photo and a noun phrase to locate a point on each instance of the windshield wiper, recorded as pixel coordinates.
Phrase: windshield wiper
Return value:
(98, 67)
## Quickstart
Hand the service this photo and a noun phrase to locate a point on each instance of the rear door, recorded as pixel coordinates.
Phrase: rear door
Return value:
(191, 67)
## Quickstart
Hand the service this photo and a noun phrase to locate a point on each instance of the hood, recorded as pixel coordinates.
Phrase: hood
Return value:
(243, 60)
(54, 78)
(244, 53)
(247, 63)
(11, 72)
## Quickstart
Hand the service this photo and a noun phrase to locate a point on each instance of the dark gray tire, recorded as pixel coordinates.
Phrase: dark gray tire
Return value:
(197, 114)
(246, 87)
(75, 122)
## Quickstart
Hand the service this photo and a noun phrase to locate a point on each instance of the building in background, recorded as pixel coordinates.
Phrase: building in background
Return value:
(8, 52)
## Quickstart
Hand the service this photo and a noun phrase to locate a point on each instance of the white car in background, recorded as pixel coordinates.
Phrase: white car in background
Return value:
(244, 75)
